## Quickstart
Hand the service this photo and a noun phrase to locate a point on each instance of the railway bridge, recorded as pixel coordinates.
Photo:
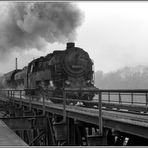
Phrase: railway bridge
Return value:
(114, 117)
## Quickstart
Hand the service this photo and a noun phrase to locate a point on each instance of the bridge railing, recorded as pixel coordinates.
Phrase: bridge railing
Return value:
(123, 96)
(118, 96)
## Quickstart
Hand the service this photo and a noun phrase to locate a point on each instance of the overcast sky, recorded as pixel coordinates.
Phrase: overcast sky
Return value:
(115, 34)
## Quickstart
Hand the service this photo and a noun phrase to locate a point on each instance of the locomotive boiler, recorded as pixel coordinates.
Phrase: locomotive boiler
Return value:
(70, 68)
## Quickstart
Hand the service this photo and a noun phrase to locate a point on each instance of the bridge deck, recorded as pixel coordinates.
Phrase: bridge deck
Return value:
(124, 122)
(8, 137)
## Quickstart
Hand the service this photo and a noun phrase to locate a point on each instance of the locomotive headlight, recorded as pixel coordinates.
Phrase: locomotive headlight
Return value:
(67, 82)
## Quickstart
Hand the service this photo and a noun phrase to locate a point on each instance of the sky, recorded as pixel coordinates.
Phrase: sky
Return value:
(115, 34)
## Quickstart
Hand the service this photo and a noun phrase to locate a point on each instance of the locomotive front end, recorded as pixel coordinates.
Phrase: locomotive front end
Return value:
(78, 67)
(76, 62)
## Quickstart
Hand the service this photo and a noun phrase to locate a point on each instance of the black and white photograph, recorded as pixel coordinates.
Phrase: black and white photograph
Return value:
(73, 73)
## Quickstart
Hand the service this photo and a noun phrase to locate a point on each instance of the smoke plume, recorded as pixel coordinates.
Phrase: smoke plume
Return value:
(26, 25)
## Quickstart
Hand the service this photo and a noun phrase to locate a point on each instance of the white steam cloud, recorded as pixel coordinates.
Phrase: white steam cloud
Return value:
(26, 25)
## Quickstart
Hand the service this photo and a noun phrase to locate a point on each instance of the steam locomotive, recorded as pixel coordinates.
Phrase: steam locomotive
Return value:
(70, 68)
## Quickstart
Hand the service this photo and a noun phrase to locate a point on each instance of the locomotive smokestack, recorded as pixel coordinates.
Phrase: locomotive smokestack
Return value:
(70, 45)
(16, 63)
